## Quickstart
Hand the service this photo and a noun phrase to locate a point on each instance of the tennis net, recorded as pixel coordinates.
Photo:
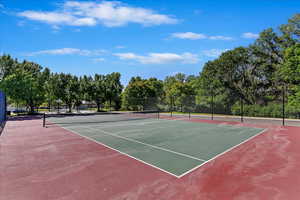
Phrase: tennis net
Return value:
(92, 118)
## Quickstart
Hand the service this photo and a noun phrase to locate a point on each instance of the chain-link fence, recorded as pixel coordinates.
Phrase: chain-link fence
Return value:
(267, 109)
(209, 105)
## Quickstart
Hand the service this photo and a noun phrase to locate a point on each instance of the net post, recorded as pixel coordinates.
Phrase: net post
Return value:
(158, 114)
(189, 115)
(44, 120)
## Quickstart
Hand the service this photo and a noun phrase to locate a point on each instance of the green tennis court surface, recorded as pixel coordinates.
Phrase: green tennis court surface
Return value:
(173, 146)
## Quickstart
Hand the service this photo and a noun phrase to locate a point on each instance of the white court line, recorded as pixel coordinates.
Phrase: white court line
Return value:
(76, 133)
(177, 176)
(150, 145)
(161, 121)
(189, 171)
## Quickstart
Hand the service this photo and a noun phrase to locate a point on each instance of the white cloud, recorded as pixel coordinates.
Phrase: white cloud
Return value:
(220, 37)
(199, 36)
(107, 13)
(68, 51)
(160, 58)
(49, 17)
(120, 47)
(189, 35)
(214, 53)
(55, 27)
(97, 60)
(249, 35)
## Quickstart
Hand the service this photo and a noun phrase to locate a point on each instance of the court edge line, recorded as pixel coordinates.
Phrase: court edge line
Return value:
(215, 157)
(74, 132)
(150, 145)
(177, 176)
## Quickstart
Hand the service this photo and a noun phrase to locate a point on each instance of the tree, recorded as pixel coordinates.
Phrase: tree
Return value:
(7, 66)
(48, 87)
(291, 32)
(290, 70)
(179, 91)
(86, 84)
(23, 87)
(113, 88)
(267, 57)
(290, 73)
(142, 94)
(65, 89)
(78, 91)
(98, 90)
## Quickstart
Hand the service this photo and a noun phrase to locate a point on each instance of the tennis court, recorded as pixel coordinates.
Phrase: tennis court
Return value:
(176, 147)
(118, 157)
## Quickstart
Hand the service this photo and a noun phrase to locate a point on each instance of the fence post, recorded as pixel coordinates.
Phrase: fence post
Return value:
(283, 105)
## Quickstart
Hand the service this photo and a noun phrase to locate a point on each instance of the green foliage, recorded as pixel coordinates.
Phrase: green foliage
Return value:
(270, 110)
(24, 87)
(113, 89)
(142, 94)
(255, 74)
(7, 66)
(180, 92)
(28, 84)
(290, 70)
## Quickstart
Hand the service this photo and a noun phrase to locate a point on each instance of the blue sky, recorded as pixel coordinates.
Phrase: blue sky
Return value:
(135, 37)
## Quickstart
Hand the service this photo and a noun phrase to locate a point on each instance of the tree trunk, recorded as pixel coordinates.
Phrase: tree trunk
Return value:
(31, 109)
(70, 107)
(98, 106)
(110, 105)
(31, 106)
(49, 106)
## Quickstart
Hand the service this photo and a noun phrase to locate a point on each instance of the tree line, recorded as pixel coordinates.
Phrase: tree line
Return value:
(256, 75)
(27, 83)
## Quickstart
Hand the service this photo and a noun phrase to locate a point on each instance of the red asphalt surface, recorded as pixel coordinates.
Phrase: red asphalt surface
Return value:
(51, 163)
